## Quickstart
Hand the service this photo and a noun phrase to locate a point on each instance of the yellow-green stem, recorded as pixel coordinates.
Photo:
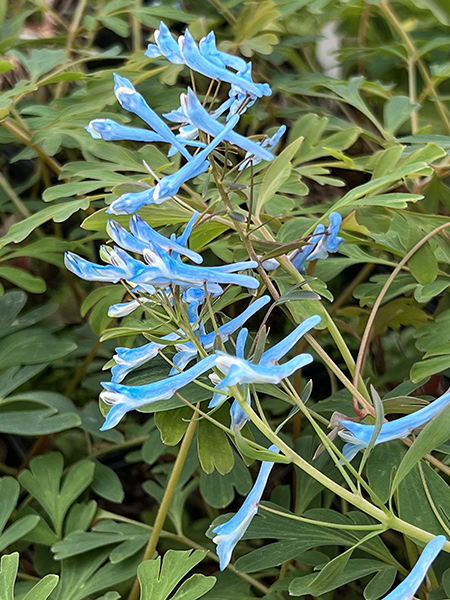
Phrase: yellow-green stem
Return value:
(167, 500)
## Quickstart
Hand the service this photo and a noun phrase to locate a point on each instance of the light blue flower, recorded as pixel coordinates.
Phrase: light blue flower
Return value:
(125, 308)
(240, 371)
(330, 241)
(199, 117)
(228, 534)
(110, 131)
(197, 62)
(323, 241)
(267, 144)
(144, 237)
(160, 271)
(409, 586)
(208, 49)
(187, 352)
(165, 46)
(206, 59)
(124, 398)
(132, 101)
(170, 185)
(357, 435)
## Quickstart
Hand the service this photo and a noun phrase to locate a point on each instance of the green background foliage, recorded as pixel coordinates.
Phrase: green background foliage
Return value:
(77, 505)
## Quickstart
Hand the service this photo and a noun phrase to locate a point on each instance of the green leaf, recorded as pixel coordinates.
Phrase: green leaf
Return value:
(59, 213)
(423, 263)
(172, 424)
(158, 580)
(277, 173)
(23, 279)
(396, 112)
(214, 450)
(428, 367)
(43, 482)
(32, 347)
(43, 589)
(218, 490)
(107, 484)
(435, 433)
(439, 8)
(9, 566)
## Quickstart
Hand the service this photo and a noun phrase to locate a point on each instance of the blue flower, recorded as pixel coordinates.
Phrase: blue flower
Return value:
(170, 185)
(124, 398)
(132, 101)
(199, 117)
(357, 435)
(409, 586)
(128, 359)
(143, 237)
(125, 308)
(237, 370)
(111, 131)
(228, 534)
(206, 59)
(197, 62)
(165, 46)
(318, 246)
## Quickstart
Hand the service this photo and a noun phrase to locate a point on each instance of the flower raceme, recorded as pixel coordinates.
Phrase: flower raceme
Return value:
(160, 269)
(358, 435)
(409, 586)
(228, 534)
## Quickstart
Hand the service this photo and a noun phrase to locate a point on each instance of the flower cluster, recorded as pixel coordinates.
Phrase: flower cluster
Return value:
(153, 267)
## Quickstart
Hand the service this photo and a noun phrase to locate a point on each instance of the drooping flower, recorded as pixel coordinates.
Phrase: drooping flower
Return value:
(228, 534)
(323, 241)
(124, 398)
(239, 371)
(357, 435)
(409, 586)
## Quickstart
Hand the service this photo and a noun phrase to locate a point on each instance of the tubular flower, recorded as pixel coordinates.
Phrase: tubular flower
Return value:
(170, 185)
(111, 131)
(357, 435)
(132, 101)
(124, 398)
(237, 370)
(409, 586)
(322, 242)
(187, 352)
(228, 534)
(128, 359)
(205, 59)
(160, 269)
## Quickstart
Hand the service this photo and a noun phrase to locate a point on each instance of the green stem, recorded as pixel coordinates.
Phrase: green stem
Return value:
(366, 336)
(167, 500)
(415, 57)
(22, 209)
(384, 516)
(136, 26)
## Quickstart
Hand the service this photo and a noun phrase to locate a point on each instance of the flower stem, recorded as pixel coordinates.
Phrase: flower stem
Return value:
(167, 500)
